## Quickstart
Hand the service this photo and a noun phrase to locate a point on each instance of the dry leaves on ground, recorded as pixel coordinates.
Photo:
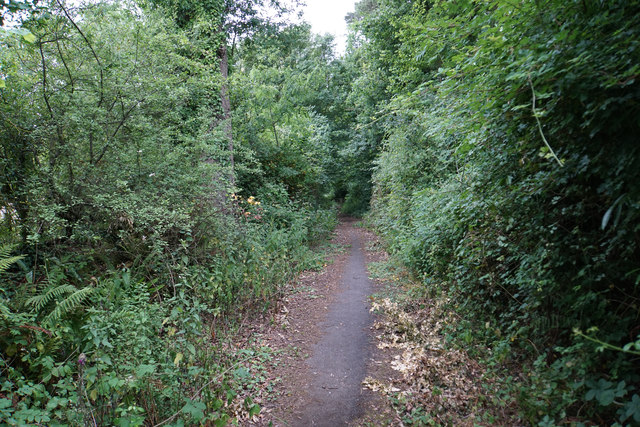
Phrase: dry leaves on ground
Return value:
(439, 385)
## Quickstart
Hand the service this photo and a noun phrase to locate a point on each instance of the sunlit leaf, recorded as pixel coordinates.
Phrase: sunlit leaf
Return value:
(29, 37)
(178, 359)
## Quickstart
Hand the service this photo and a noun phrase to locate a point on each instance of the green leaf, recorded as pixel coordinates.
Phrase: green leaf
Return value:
(195, 409)
(607, 217)
(191, 348)
(607, 214)
(632, 409)
(242, 373)
(29, 37)
(178, 359)
(606, 397)
(254, 410)
(217, 404)
(143, 370)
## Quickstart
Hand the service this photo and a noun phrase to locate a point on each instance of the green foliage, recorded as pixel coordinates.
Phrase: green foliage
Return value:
(72, 298)
(5, 262)
(116, 184)
(5, 259)
(478, 100)
(279, 94)
(17, 10)
(494, 143)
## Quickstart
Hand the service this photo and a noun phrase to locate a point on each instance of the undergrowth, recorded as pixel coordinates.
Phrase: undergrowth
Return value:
(458, 372)
(441, 382)
(124, 346)
(507, 184)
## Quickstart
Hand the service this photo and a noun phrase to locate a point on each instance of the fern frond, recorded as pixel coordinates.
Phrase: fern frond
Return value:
(5, 259)
(6, 262)
(55, 293)
(65, 306)
(5, 250)
(4, 310)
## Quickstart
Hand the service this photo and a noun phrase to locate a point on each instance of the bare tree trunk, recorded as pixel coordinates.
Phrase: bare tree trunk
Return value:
(226, 106)
(219, 190)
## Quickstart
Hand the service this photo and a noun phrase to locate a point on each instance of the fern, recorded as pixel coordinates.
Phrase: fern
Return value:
(4, 310)
(67, 298)
(38, 302)
(5, 262)
(5, 259)
(69, 303)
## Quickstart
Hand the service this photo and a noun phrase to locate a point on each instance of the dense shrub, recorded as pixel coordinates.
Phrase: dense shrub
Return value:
(137, 244)
(508, 180)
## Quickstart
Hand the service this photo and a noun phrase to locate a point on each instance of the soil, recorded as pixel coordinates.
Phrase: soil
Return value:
(325, 340)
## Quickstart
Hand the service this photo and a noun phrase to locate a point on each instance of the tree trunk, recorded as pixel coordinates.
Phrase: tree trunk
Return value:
(226, 105)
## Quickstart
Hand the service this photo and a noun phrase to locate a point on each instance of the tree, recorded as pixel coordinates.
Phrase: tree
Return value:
(17, 10)
(280, 102)
(220, 23)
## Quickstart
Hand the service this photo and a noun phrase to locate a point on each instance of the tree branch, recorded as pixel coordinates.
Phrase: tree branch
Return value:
(52, 155)
(90, 47)
(535, 115)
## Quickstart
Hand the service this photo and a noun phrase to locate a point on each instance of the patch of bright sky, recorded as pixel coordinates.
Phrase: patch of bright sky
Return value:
(327, 16)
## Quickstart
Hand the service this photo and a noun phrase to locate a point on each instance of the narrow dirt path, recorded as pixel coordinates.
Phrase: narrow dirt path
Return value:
(326, 343)
(338, 362)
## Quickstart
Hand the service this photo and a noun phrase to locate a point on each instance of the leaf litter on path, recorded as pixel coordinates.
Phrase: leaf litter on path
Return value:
(437, 384)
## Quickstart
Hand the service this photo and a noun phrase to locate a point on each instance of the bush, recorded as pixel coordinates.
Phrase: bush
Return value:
(507, 173)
